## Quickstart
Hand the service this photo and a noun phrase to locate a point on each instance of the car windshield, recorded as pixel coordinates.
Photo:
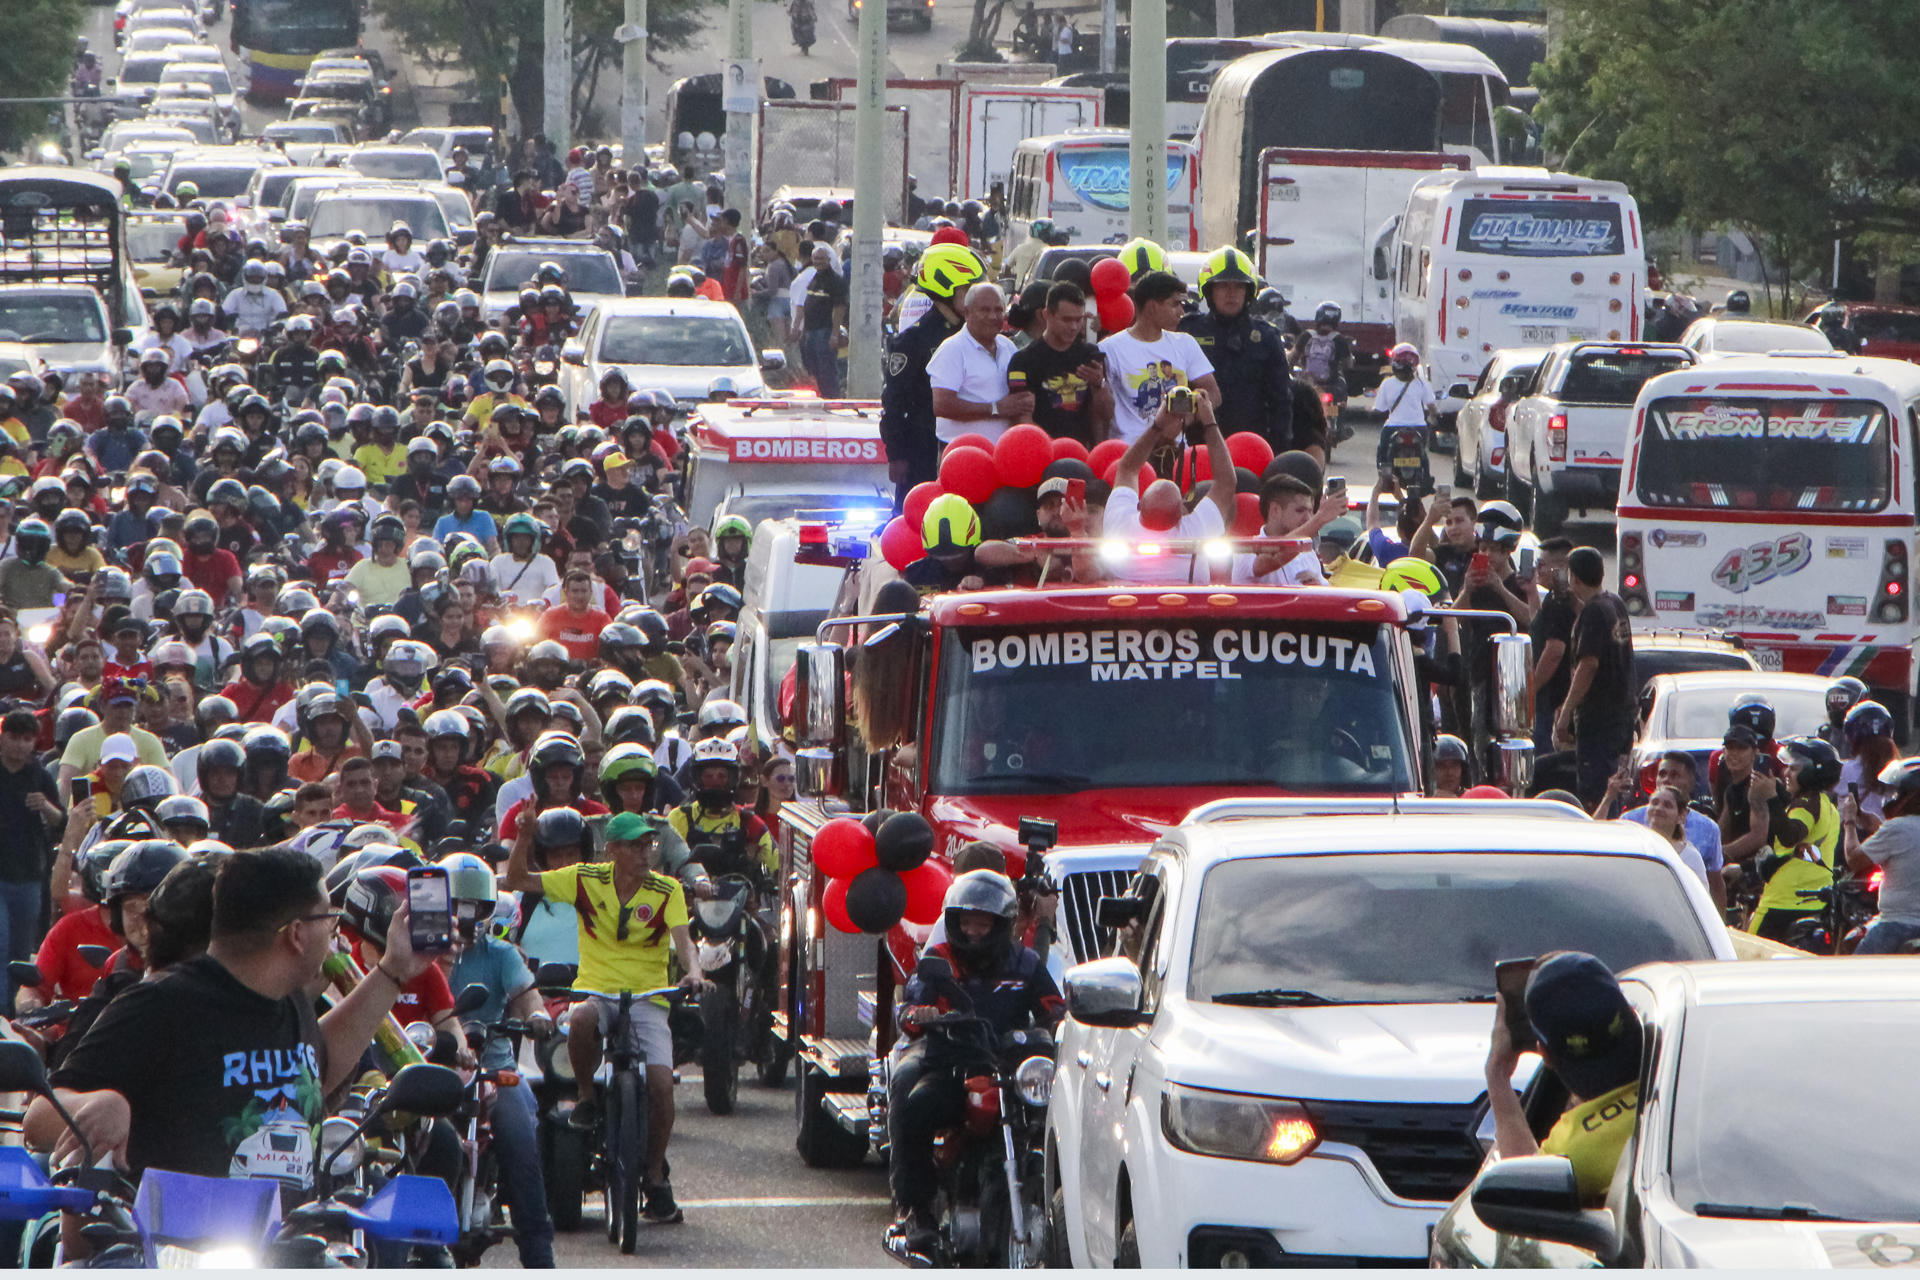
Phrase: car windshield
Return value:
(143, 70)
(675, 340)
(300, 131)
(273, 187)
(586, 272)
(335, 90)
(215, 181)
(1649, 661)
(1702, 713)
(1758, 339)
(1756, 454)
(210, 74)
(1306, 706)
(153, 239)
(1614, 376)
(1854, 1157)
(402, 165)
(1425, 928)
(335, 216)
(52, 317)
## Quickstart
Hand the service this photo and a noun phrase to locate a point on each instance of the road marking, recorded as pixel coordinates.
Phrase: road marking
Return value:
(784, 1202)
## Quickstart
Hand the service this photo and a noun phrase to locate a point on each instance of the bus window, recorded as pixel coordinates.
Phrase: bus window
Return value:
(1464, 113)
(1420, 281)
(1541, 228)
(1913, 454)
(1765, 455)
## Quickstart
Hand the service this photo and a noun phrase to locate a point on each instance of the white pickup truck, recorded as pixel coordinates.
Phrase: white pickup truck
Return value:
(1568, 434)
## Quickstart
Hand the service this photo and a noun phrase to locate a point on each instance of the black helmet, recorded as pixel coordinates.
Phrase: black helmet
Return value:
(555, 749)
(1327, 313)
(1819, 763)
(630, 724)
(1448, 747)
(558, 828)
(1867, 719)
(92, 865)
(1842, 694)
(140, 868)
(70, 722)
(1754, 712)
(994, 894)
(373, 895)
(1738, 303)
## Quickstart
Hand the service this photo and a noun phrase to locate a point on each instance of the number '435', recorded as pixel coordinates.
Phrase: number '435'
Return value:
(1747, 567)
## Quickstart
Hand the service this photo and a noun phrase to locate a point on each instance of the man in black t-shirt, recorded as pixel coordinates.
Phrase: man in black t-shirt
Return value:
(29, 805)
(1552, 632)
(220, 1068)
(1596, 717)
(821, 316)
(1065, 372)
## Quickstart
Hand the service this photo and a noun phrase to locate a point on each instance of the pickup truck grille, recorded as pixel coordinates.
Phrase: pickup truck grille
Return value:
(1080, 895)
(1422, 1151)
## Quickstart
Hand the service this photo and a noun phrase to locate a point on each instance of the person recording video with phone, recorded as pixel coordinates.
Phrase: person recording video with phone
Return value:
(1573, 1013)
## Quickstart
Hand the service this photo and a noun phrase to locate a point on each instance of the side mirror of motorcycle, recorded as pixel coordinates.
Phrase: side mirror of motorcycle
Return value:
(424, 1089)
(94, 955)
(472, 996)
(555, 976)
(25, 973)
(21, 1068)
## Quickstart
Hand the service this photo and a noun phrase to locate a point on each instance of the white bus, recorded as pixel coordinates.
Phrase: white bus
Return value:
(1082, 180)
(1508, 257)
(1773, 496)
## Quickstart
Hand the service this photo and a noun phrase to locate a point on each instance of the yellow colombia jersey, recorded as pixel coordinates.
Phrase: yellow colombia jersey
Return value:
(1823, 833)
(624, 946)
(689, 820)
(1592, 1136)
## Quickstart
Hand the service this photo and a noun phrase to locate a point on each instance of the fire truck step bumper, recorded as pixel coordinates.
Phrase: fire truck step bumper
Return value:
(844, 1061)
(849, 1112)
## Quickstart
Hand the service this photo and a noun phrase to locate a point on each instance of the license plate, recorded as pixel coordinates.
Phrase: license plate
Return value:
(1545, 334)
(1289, 192)
(1769, 659)
(1406, 460)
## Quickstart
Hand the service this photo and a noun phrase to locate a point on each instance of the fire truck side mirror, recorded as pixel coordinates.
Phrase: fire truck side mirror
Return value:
(819, 716)
(1512, 708)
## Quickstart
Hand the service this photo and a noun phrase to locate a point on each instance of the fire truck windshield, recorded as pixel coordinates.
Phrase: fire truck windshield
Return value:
(1303, 706)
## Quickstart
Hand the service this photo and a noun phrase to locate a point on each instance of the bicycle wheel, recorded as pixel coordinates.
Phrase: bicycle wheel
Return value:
(626, 1158)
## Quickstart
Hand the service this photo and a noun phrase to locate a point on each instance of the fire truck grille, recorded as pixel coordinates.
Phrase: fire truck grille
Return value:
(1080, 895)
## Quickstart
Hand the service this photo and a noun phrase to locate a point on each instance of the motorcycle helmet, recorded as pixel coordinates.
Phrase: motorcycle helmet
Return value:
(626, 760)
(709, 757)
(146, 785)
(1842, 695)
(1754, 712)
(184, 811)
(475, 890)
(372, 896)
(1818, 762)
(562, 828)
(92, 865)
(1867, 719)
(1448, 747)
(985, 892)
(631, 724)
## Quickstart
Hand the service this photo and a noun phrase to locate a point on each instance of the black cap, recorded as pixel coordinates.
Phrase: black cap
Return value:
(1740, 735)
(1588, 1032)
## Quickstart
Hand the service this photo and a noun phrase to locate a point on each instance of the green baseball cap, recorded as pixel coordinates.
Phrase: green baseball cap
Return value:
(633, 826)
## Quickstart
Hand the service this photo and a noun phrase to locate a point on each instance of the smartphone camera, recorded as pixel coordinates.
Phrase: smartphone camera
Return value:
(430, 908)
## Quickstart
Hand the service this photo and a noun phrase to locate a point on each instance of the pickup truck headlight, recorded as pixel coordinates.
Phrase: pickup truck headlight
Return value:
(1236, 1126)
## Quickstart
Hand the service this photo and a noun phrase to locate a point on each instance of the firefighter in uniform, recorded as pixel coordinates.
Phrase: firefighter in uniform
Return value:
(947, 271)
(1249, 355)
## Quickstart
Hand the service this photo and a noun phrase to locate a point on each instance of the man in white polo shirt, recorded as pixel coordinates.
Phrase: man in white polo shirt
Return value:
(968, 372)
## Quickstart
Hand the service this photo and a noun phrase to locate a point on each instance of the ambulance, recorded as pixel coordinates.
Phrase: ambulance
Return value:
(1772, 497)
(770, 459)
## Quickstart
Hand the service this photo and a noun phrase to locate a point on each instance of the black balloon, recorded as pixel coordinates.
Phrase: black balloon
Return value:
(1245, 480)
(876, 900)
(896, 596)
(904, 841)
(1071, 468)
(1009, 513)
(1298, 464)
(873, 820)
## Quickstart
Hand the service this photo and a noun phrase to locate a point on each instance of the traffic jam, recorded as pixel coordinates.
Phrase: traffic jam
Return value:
(1365, 728)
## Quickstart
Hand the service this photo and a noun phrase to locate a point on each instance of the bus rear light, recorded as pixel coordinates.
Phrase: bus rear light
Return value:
(1461, 302)
(1614, 278)
(1465, 275)
(1461, 332)
(1557, 438)
(1633, 582)
(1890, 602)
(1613, 335)
(1579, 277)
(1504, 276)
(1614, 305)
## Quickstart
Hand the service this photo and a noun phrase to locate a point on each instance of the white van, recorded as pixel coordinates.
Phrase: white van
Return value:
(783, 604)
(1773, 497)
(1509, 257)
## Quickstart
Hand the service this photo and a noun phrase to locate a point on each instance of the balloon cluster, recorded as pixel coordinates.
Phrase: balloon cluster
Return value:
(1110, 280)
(879, 872)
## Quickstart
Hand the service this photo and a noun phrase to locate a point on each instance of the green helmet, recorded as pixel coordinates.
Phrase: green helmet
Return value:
(1141, 255)
(733, 527)
(1230, 266)
(523, 523)
(475, 892)
(627, 760)
(1041, 228)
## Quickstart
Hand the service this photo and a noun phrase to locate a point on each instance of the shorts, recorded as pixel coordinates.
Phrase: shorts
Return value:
(647, 1030)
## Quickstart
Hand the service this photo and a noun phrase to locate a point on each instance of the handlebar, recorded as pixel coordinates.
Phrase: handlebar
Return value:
(634, 997)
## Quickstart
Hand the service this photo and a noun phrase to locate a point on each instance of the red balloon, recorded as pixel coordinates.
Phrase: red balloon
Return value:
(1246, 515)
(1021, 453)
(843, 848)
(1116, 313)
(1105, 454)
(1147, 474)
(1250, 451)
(970, 473)
(900, 543)
(1109, 278)
(919, 498)
(1068, 447)
(971, 440)
(926, 890)
(834, 903)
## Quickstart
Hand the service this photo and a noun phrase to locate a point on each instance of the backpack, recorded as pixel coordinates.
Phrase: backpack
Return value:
(1320, 348)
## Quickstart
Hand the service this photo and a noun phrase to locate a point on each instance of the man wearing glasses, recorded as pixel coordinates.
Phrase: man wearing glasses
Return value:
(184, 1072)
(628, 915)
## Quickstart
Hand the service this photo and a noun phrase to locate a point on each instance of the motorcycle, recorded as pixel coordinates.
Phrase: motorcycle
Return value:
(736, 1016)
(483, 1221)
(1846, 908)
(1408, 460)
(801, 22)
(991, 1206)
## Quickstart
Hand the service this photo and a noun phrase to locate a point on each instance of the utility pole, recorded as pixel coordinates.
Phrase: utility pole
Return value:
(632, 35)
(1109, 36)
(1358, 16)
(1147, 134)
(557, 115)
(866, 298)
(1223, 18)
(741, 89)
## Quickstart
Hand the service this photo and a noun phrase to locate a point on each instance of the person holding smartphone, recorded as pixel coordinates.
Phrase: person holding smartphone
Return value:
(1579, 1021)
(1066, 374)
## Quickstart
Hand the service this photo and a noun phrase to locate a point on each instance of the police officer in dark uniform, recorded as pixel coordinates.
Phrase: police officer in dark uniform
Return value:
(947, 271)
(1249, 355)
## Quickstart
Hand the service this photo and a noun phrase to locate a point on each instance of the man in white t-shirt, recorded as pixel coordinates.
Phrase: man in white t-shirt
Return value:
(1150, 359)
(968, 372)
(1159, 513)
(1404, 398)
(1287, 511)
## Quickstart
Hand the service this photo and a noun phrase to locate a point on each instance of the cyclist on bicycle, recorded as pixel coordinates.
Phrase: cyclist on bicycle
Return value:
(628, 914)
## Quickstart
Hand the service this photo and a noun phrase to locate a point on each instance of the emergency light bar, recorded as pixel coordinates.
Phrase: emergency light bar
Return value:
(1115, 551)
(861, 407)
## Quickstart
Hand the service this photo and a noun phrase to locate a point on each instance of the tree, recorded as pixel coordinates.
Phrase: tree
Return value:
(40, 36)
(495, 39)
(1787, 119)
